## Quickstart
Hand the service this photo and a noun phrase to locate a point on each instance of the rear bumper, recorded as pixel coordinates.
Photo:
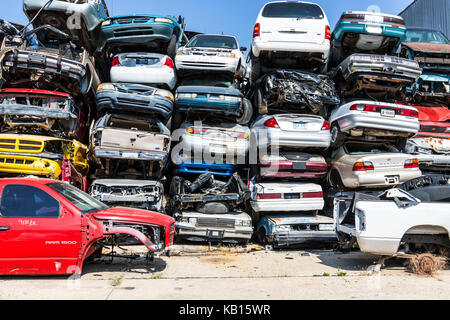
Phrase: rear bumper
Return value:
(144, 75)
(291, 238)
(274, 137)
(236, 148)
(378, 180)
(387, 31)
(287, 205)
(130, 154)
(360, 120)
(259, 46)
(136, 33)
(133, 103)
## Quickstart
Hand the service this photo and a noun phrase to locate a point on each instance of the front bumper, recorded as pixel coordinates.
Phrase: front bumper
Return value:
(291, 238)
(192, 232)
(259, 46)
(359, 119)
(112, 100)
(205, 105)
(29, 165)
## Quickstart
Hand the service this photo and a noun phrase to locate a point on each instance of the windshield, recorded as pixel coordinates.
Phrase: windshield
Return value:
(364, 148)
(206, 41)
(84, 202)
(292, 10)
(426, 36)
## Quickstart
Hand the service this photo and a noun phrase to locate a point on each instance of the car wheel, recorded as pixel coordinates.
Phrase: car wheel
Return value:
(172, 48)
(256, 70)
(247, 112)
(335, 180)
(261, 102)
(337, 137)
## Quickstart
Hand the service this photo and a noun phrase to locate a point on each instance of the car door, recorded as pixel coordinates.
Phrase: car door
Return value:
(38, 235)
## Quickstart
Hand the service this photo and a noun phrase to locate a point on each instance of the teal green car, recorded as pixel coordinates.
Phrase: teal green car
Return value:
(365, 32)
(160, 34)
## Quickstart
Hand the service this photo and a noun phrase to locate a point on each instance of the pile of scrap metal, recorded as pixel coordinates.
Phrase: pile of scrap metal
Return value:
(45, 105)
(209, 209)
(294, 91)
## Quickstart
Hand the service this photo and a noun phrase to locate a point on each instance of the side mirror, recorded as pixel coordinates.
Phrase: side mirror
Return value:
(243, 49)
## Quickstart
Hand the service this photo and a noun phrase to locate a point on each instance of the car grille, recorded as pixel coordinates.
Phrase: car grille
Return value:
(20, 145)
(215, 223)
(15, 161)
(132, 20)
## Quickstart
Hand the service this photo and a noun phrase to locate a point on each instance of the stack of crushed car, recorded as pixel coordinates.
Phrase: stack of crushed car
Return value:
(307, 140)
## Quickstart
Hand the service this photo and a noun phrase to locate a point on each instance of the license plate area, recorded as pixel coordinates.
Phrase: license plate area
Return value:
(391, 179)
(215, 234)
(292, 195)
(299, 166)
(300, 125)
(388, 113)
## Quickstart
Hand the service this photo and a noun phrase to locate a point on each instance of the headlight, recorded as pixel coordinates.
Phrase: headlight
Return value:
(326, 227)
(105, 86)
(186, 96)
(106, 23)
(164, 93)
(283, 228)
(230, 99)
(184, 52)
(359, 57)
(411, 63)
(243, 223)
(226, 55)
(193, 220)
(164, 20)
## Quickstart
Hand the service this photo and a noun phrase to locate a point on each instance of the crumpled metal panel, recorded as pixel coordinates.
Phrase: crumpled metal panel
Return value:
(300, 89)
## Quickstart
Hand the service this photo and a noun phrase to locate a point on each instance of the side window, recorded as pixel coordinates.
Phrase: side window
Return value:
(21, 201)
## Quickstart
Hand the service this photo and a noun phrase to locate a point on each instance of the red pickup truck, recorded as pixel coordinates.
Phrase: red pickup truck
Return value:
(50, 227)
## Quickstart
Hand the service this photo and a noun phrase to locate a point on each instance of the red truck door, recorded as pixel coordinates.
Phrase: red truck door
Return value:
(37, 234)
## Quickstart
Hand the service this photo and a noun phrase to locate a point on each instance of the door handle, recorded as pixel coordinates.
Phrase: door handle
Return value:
(4, 228)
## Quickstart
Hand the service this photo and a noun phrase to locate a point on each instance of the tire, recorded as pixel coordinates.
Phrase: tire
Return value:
(172, 47)
(247, 112)
(337, 137)
(335, 180)
(261, 102)
(256, 69)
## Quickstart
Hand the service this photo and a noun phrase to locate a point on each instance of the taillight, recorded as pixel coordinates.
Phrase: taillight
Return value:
(413, 163)
(326, 125)
(115, 62)
(169, 63)
(312, 195)
(393, 20)
(257, 30)
(327, 33)
(268, 196)
(363, 166)
(364, 107)
(352, 16)
(272, 123)
(409, 113)
(195, 130)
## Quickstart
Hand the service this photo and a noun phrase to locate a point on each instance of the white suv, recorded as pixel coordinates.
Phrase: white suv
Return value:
(290, 33)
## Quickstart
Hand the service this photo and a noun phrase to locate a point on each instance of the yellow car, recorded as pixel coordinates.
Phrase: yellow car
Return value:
(22, 154)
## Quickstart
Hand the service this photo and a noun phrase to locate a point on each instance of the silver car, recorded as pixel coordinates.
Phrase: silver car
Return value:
(372, 120)
(225, 140)
(375, 165)
(290, 130)
(140, 194)
(228, 227)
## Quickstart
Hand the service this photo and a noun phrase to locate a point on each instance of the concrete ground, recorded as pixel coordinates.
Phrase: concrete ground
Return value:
(226, 272)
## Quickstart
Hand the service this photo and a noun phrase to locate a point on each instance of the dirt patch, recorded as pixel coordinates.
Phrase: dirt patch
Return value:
(219, 260)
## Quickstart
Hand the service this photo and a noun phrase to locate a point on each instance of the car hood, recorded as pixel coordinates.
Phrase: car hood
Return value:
(428, 47)
(209, 89)
(118, 214)
(438, 113)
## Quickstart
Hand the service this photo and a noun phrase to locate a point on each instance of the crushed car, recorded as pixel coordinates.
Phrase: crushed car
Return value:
(141, 194)
(208, 209)
(379, 76)
(128, 145)
(290, 34)
(42, 111)
(365, 32)
(123, 98)
(58, 66)
(431, 49)
(358, 164)
(51, 228)
(211, 53)
(43, 156)
(81, 19)
(283, 231)
(404, 221)
(372, 121)
(286, 91)
(433, 153)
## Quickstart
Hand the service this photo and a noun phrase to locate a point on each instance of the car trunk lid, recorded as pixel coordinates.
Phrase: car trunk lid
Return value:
(300, 123)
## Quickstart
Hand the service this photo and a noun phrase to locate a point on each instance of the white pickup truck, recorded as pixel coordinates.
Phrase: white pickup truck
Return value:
(405, 221)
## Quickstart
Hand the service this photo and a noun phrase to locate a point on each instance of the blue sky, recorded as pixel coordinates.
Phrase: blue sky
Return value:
(235, 17)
